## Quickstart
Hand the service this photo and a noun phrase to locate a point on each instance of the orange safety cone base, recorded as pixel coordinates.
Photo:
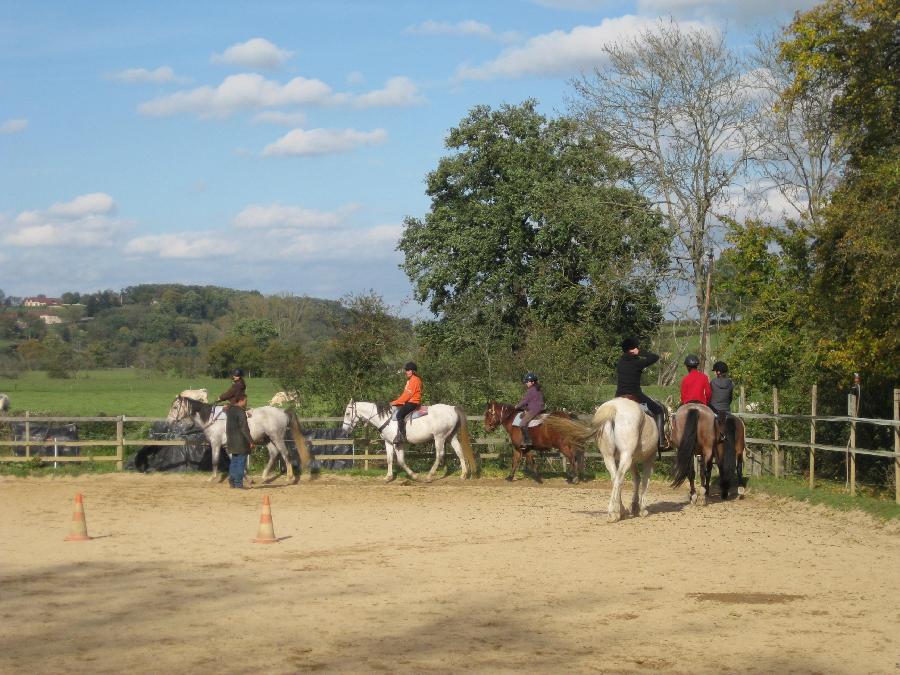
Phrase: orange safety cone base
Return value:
(78, 528)
(266, 532)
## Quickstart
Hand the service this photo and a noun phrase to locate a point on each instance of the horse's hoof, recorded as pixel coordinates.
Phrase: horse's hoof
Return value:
(613, 517)
(741, 492)
(429, 478)
(694, 498)
(701, 491)
(388, 479)
(509, 479)
(414, 476)
(644, 513)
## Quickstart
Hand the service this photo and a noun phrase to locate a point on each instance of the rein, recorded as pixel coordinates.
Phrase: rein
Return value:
(356, 415)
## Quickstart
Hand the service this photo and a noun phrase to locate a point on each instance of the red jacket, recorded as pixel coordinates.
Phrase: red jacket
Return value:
(695, 387)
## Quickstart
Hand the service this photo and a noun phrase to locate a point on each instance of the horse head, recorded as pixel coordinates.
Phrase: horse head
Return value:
(350, 417)
(492, 416)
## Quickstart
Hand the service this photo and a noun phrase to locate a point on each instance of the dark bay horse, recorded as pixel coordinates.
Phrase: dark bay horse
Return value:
(542, 438)
(694, 432)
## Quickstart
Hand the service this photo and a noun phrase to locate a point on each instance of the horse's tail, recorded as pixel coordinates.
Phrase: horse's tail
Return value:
(729, 461)
(462, 433)
(299, 440)
(575, 432)
(684, 455)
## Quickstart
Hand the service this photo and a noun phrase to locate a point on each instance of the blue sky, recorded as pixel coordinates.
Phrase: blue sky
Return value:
(270, 145)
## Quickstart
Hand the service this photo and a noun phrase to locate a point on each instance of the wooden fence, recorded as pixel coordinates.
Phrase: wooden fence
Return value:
(755, 445)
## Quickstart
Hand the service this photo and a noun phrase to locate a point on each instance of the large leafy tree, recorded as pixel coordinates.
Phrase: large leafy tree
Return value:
(530, 228)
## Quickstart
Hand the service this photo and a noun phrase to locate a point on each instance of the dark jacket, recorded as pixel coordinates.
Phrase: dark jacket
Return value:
(628, 372)
(235, 392)
(532, 401)
(237, 430)
(722, 393)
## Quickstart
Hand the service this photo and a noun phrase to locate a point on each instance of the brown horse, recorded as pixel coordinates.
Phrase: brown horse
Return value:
(542, 438)
(695, 432)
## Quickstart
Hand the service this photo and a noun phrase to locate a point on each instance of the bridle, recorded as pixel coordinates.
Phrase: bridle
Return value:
(494, 416)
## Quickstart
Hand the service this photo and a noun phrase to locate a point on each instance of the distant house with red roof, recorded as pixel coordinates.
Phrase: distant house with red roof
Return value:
(41, 301)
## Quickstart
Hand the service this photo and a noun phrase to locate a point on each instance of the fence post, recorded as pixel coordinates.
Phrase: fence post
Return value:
(776, 459)
(897, 446)
(120, 442)
(366, 460)
(751, 454)
(813, 406)
(27, 435)
(851, 455)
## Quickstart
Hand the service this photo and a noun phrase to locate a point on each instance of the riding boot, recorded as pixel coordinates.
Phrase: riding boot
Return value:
(401, 432)
(526, 439)
(660, 432)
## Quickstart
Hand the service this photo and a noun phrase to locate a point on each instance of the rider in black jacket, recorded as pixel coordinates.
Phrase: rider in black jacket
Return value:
(628, 381)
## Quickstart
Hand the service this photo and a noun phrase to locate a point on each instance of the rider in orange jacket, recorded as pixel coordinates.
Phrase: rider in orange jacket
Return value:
(409, 400)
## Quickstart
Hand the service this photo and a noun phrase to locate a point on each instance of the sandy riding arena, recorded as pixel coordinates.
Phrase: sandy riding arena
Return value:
(478, 576)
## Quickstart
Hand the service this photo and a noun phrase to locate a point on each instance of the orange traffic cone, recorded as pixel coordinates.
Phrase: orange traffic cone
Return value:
(78, 529)
(266, 532)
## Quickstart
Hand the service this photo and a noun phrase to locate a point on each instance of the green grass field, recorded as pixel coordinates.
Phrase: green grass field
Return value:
(125, 391)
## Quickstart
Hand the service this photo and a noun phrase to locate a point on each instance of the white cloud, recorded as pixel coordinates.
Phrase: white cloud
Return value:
(397, 92)
(468, 28)
(161, 75)
(14, 126)
(560, 52)
(323, 141)
(183, 245)
(279, 216)
(254, 53)
(287, 119)
(86, 221)
(240, 92)
(248, 91)
(723, 9)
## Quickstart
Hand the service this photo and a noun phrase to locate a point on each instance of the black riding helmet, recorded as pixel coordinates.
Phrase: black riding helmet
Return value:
(410, 365)
(237, 372)
(691, 361)
(629, 343)
(720, 367)
(530, 377)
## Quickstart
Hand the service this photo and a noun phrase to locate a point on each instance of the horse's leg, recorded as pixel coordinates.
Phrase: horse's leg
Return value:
(273, 457)
(613, 512)
(571, 467)
(636, 497)
(438, 456)
(285, 455)
(517, 455)
(398, 450)
(531, 460)
(740, 475)
(216, 449)
(707, 476)
(389, 451)
(457, 448)
(646, 472)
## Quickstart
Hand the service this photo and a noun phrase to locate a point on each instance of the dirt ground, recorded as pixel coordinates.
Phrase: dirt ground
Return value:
(480, 576)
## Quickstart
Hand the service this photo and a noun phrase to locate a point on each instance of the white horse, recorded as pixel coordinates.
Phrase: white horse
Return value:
(196, 394)
(442, 423)
(4, 403)
(626, 436)
(266, 424)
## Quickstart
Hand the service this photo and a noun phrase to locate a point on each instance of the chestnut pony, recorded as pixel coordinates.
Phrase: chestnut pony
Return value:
(694, 432)
(542, 438)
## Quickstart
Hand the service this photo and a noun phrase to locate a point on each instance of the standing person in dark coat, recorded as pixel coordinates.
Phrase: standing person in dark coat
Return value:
(531, 405)
(628, 382)
(238, 388)
(237, 433)
(722, 392)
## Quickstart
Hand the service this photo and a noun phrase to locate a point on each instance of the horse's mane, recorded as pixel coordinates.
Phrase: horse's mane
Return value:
(382, 408)
(506, 410)
(199, 407)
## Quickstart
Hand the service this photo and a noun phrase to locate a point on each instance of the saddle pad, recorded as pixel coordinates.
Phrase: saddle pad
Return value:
(418, 412)
(537, 421)
(217, 412)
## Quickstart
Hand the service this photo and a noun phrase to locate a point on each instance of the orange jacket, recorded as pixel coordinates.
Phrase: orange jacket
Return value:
(412, 392)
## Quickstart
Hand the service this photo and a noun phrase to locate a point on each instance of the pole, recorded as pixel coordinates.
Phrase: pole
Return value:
(27, 436)
(851, 455)
(813, 405)
(776, 460)
(897, 446)
(120, 442)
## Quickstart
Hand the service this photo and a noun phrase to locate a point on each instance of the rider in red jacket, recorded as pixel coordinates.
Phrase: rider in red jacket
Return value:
(695, 385)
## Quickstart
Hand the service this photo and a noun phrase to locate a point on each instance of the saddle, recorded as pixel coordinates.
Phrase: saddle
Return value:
(421, 411)
(537, 421)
